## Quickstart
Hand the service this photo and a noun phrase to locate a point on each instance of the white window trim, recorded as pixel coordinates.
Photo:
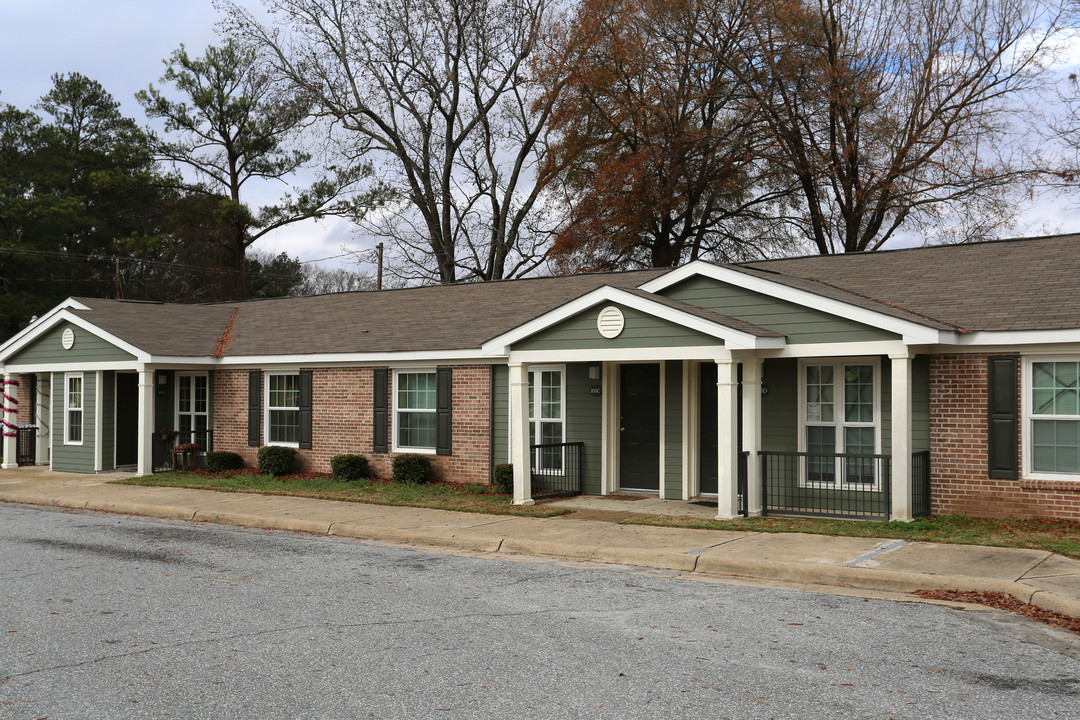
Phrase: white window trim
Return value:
(1027, 415)
(534, 376)
(394, 446)
(193, 413)
(838, 401)
(67, 408)
(267, 408)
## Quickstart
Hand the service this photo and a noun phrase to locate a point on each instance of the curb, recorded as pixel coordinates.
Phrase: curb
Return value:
(815, 574)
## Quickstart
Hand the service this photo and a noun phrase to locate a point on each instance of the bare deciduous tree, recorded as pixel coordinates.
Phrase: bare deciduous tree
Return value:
(889, 112)
(441, 92)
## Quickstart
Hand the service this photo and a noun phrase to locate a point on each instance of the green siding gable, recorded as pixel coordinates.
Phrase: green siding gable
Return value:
(800, 324)
(87, 348)
(641, 330)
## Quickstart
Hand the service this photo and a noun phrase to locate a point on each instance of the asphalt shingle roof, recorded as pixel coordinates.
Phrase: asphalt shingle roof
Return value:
(1030, 284)
(1026, 284)
(436, 318)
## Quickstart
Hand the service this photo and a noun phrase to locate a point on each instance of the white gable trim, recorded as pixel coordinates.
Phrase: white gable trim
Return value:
(734, 339)
(913, 333)
(57, 315)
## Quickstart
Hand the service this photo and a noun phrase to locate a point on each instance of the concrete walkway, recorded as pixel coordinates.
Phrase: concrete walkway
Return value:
(592, 533)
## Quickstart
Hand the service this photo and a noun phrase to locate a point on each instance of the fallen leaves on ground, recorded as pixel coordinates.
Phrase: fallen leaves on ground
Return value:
(1002, 601)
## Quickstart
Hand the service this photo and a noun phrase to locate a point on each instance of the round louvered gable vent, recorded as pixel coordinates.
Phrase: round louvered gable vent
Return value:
(610, 322)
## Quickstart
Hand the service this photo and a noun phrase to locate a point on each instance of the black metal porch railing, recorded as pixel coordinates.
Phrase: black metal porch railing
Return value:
(827, 485)
(556, 468)
(174, 450)
(26, 445)
(920, 484)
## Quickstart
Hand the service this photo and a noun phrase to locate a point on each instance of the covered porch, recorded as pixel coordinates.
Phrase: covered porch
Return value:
(671, 399)
(717, 430)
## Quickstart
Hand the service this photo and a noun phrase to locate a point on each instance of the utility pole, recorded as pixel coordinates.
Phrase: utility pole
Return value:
(378, 281)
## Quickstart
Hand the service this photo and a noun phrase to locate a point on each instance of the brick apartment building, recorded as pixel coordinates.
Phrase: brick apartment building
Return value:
(888, 384)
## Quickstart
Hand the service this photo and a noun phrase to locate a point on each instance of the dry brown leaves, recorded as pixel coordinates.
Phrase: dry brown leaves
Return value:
(1003, 601)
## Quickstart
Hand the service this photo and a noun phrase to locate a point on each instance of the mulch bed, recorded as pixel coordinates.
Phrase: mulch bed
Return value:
(1003, 601)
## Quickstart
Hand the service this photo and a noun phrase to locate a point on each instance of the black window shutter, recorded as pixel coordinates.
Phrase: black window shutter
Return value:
(444, 433)
(1003, 420)
(382, 411)
(255, 408)
(305, 409)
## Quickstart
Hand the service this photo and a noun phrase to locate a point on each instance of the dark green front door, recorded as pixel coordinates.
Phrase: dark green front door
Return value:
(127, 419)
(639, 427)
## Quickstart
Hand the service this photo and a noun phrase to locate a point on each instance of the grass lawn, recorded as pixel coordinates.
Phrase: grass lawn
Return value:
(1060, 536)
(436, 495)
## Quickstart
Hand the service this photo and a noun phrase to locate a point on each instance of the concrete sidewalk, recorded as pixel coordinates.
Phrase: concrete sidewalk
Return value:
(1035, 576)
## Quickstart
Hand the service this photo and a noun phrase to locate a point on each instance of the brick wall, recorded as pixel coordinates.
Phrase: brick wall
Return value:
(343, 417)
(960, 483)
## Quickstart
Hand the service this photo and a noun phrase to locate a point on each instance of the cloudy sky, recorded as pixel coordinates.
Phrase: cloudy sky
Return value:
(121, 44)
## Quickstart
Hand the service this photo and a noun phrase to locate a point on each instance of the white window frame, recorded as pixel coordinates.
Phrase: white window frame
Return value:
(267, 408)
(395, 423)
(838, 420)
(68, 409)
(535, 376)
(1028, 418)
(193, 413)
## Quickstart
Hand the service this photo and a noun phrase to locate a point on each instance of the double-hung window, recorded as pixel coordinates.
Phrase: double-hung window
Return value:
(415, 395)
(283, 408)
(546, 423)
(1054, 417)
(73, 409)
(840, 411)
(192, 405)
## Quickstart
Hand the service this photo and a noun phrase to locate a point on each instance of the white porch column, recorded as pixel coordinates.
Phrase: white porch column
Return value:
(901, 437)
(751, 432)
(10, 420)
(727, 428)
(520, 455)
(146, 421)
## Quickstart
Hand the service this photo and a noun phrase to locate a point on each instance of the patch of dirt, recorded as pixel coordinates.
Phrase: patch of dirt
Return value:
(1003, 601)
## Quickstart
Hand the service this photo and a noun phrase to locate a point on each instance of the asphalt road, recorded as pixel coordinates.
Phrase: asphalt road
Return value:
(108, 616)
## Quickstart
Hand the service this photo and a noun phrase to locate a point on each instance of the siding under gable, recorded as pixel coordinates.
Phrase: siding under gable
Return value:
(800, 324)
(88, 347)
(640, 331)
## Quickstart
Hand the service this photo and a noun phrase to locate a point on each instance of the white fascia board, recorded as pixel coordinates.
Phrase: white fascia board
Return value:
(61, 314)
(624, 355)
(731, 337)
(75, 367)
(913, 333)
(851, 349)
(1018, 337)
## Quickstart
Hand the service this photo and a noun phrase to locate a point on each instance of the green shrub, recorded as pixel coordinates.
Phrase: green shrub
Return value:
(220, 460)
(411, 469)
(277, 460)
(350, 467)
(503, 476)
